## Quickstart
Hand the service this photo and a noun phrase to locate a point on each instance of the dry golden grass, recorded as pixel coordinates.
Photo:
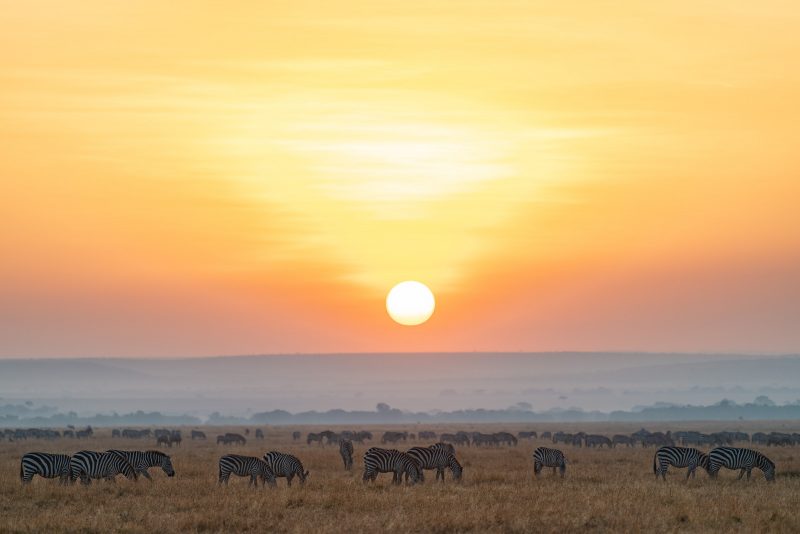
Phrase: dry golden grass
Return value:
(605, 490)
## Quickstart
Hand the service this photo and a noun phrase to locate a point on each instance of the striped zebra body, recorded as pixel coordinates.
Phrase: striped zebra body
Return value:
(143, 460)
(87, 465)
(45, 465)
(546, 457)
(678, 457)
(377, 460)
(346, 451)
(285, 466)
(245, 466)
(440, 457)
(738, 458)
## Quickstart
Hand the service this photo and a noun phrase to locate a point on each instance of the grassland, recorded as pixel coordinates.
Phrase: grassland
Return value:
(604, 490)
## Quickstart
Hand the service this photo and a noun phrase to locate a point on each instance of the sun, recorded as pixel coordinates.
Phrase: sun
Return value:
(410, 303)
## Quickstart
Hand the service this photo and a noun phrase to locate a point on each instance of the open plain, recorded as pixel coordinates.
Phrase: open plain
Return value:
(604, 490)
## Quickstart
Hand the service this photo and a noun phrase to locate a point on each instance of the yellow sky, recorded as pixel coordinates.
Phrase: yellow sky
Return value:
(202, 179)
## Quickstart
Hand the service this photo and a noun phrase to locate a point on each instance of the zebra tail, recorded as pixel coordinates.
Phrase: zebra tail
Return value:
(655, 463)
(21, 472)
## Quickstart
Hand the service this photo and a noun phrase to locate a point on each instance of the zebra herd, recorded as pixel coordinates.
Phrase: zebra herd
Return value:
(88, 465)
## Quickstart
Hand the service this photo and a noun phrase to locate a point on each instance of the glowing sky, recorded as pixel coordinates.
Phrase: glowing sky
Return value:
(189, 178)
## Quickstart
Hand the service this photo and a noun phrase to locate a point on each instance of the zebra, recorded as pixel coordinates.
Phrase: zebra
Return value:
(678, 457)
(439, 456)
(377, 460)
(285, 466)
(545, 457)
(738, 458)
(198, 434)
(143, 460)
(596, 440)
(87, 465)
(312, 436)
(45, 465)
(243, 466)
(295, 435)
(346, 450)
(259, 433)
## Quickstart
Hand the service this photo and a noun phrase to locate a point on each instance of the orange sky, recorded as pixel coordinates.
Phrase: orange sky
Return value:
(197, 179)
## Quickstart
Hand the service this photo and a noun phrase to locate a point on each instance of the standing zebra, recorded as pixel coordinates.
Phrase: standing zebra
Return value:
(285, 466)
(243, 466)
(91, 464)
(678, 457)
(439, 457)
(45, 465)
(738, 458)
(143, 460)
(544, 457)
(377, 460)
(346, 450)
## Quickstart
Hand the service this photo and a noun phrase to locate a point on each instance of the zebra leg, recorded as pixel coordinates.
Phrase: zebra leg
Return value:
(145, 474)
(741, 474)
(440, 473)
(748, 474)
(289, 478)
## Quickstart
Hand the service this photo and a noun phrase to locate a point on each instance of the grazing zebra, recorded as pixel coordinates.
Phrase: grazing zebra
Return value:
(544, 457)
(622, 438)
(45, 465)
(738, 458)
(596, 440)
(198, 434)
(295, 435)
(231, 438)
(439, 457)
(346, 450)
(259, 433)
(143, 460)
(678, 457)
(312, 436)
(87, 465)
(243, 466)
(285, 466)
(377, 460)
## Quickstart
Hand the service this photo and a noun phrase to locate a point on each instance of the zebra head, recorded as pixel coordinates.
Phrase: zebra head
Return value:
(414, 474)
(703, 462)
(166, 465)
(124, 467)
(456, 468)
(302, 476)
(768, 468)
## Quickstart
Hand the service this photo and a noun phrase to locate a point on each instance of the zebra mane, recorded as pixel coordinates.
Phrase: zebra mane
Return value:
(157, 453)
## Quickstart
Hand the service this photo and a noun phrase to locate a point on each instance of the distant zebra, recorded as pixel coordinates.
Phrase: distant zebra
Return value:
(738, 458)
(377, 460)
(143, 460)
(295, 435)
(622, 438)
(87, 465)
(596, 440)
(678, 457)
(545, 457)
(440, 457)
(259, 433)
(243, 466)
(346, 451)
(285, 466)
(45, 465)
(312, 436)
(198, 434)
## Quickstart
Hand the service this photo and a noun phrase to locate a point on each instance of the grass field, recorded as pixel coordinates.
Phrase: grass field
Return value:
(604, 490)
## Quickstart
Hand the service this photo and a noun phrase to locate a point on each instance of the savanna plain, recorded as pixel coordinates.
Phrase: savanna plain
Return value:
(603, 490)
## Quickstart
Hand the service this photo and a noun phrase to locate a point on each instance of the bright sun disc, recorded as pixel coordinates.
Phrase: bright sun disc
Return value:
(410, 303)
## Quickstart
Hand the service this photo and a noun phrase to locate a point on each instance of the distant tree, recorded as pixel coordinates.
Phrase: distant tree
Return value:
(763, 400)
(382, 407)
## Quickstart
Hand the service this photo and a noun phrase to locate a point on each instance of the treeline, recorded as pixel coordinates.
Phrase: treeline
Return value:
(761, 408)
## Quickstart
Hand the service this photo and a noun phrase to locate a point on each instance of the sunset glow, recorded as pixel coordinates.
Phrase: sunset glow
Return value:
(253, 178)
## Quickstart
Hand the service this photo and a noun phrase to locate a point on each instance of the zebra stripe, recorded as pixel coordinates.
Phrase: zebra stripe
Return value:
(346, 451)
(87, 465)
(45, 465)
(678, 457)
(739, 458)
(286, 466)
(439, 457)
(545, 457)
(377, 460)
(143, 460)
(245, 466)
